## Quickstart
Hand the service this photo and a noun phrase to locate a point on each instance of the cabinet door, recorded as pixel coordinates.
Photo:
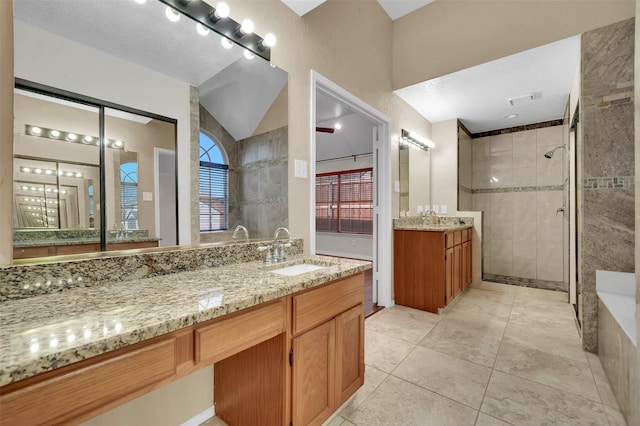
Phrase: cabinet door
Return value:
(349, 353)
(449, 273)
(466, 264)
(457, 267)
(313, 389)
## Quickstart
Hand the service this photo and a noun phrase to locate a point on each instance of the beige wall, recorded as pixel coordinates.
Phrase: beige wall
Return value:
(6, 128)
(450, 35)
(444, 165)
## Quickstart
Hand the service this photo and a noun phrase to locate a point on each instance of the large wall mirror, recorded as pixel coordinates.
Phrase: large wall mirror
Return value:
(161, 84)
(414, 179)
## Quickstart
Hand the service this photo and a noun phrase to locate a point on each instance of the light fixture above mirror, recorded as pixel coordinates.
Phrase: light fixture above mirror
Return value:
(416, 140)
(217, 19)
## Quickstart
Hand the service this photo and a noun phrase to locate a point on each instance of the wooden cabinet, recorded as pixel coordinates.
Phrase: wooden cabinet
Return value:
(294, 359)
(328, 359)
(431, 268)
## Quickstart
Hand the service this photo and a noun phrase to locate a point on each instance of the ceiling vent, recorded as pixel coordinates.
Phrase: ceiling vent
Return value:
(521, 99)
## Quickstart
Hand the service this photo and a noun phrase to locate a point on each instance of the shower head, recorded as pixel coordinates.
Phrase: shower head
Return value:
(549, 154)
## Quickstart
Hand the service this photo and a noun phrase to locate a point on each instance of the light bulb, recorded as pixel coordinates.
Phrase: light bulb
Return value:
(226, 43)
(78, 175)
(26, 169)
(222, 10)
(54, 134)
(248, 54)
(338, 126)
(118, 144)
(87, 139)
(72, 136)
(247, 26)
(36, 130)
(69, 174)
(269, 40)
(38, 171)
(202, 30)
(171, 14)
(48, 172)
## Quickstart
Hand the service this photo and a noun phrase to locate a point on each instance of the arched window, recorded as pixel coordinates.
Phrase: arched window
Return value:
(129, 195)
(214, 186)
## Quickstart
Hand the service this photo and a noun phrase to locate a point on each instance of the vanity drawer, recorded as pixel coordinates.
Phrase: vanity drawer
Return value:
(448, 238)
(240, 331)
(64, 397)
(319, 305)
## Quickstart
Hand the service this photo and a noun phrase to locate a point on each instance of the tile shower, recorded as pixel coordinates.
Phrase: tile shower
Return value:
(520, 192)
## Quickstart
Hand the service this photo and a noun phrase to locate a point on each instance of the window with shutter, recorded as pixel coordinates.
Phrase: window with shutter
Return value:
(214, 186)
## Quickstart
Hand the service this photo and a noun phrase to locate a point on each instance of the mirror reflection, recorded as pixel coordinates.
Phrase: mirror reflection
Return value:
(128, 54)
(414, 180)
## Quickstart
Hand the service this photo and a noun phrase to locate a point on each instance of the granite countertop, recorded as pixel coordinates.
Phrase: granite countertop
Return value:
(41, 333)
(433, 228)
(74, 241)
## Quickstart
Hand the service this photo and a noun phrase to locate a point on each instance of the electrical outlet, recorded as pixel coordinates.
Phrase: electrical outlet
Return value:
(435, 208)
(443, 209)
(419, 209)
(397, 186)
(147, 196)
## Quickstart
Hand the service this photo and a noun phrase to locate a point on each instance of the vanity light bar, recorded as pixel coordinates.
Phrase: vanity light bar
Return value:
(41, 189)
(239, 34)
(416, 140)
(61, 135)
(51, 172)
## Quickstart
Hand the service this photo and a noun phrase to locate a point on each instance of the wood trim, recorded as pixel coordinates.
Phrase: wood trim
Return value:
(224, 338)
(74, 393)
(349, 353)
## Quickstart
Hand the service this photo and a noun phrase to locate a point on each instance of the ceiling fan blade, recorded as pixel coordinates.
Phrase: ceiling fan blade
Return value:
(325, 129)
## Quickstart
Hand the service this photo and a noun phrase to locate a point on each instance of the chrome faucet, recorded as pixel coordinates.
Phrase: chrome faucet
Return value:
(279, 254)
(237, 230)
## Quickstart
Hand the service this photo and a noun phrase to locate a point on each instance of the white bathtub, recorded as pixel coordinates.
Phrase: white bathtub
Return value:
(617, 291)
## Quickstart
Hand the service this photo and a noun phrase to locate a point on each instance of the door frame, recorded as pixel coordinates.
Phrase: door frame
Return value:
(382, 238)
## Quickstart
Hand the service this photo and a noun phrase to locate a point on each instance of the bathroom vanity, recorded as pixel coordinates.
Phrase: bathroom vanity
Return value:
(432, 264)
(285, 348)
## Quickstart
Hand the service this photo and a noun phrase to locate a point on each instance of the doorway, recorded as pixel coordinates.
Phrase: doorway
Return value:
(165, 189)
(379, 158)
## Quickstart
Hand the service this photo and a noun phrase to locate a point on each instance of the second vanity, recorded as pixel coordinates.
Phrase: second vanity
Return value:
(286, 349)
(432, 262)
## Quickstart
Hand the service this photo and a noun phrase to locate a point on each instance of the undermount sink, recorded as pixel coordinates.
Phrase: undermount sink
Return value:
(301, 268)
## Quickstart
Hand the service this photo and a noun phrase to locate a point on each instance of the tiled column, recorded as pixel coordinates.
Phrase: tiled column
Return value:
(194, 112)
(6, 131)
(607, 162)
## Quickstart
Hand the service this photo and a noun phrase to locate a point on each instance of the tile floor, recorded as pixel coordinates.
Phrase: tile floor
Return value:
(494, 358)
(505, 356)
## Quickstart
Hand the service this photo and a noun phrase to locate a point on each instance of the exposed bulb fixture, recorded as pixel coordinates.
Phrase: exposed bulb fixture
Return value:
(36, 130)
(26, 170)
(87, 139)
(338, 126)
(72, 136)
(269, 40)
(248, 54)
(54, 134)
(416, 140)
(171, 14)
(220, 12)
(226, 43)
(202, 30)
(118, 144)
(37, 171)
(247, 26)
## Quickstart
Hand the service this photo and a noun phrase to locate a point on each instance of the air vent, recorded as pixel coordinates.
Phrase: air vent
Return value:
(521, 99)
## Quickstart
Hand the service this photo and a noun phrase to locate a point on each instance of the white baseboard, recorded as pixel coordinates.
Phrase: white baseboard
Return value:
(201, 417)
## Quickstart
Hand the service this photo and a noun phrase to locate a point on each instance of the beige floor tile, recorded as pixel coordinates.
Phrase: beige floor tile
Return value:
(410, 325)
(558, 372)
(483, 308)
(397, 402)
(486, 420)
(614, 416)
(538, 293)
(460, 380)
(543, 340)
(372, 379)
(523, 402)
(384, 352)
(560, 326)
(602, 384)
(492, 296)
(461, 337)
(543, 308)
(336, 421)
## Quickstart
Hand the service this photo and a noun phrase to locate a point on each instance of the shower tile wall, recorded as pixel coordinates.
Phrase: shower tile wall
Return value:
(520, 190)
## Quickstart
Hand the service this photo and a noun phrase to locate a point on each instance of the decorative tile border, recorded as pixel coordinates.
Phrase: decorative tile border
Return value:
(518, 189)
(534, 126)
(526, 282)
(608, 182)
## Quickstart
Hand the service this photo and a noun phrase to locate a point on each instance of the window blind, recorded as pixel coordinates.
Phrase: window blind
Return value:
(213, 200)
